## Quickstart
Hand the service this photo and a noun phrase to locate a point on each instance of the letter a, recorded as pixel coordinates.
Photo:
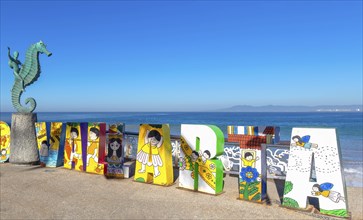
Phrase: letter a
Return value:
(317, 146)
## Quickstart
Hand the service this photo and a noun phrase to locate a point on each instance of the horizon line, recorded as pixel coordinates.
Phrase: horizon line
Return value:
(332, 108)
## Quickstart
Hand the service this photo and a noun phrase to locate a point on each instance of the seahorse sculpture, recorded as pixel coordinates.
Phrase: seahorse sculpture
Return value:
(26, 74)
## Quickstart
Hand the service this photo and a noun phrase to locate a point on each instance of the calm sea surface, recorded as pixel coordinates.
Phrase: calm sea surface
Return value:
(349, 127)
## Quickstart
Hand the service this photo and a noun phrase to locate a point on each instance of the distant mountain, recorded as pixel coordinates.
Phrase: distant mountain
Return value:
(280, 108)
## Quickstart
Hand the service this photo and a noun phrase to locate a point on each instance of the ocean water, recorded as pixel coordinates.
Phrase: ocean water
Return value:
(349, 127)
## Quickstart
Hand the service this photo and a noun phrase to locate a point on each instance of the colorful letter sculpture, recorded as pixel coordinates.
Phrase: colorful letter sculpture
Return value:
(154, 158)
(50, 138)
(56, 148)
(277, 157)
(5, 142)
(75, 146)
(95, 159)
(199, 169)
(272, 133)
(42, 140)
(115, 156)
(319, 148)
(252, 178)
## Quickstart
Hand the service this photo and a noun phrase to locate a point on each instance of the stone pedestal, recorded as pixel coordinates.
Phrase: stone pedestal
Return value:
(23, 146)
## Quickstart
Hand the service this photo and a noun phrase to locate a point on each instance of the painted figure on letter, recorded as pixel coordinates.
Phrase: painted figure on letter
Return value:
(44, 152)
(92, 151)
(75, 149)
(153, 141)
(248, 160)
(205, 156)
(303, 142)
(194, 156)
(3, 154)
(114, 150)
(324, 190)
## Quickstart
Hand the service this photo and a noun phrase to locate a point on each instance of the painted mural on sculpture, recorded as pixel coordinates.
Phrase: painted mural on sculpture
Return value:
(315, 148)
(277, 157)
(272, 133)
(252, 171)
(200, 170)
(56, 148)
(50, 139)
(96, 148)
(4, 142)
(154, 157)
(115, 153)
(75, 147)
(42, 140)
(252, 185)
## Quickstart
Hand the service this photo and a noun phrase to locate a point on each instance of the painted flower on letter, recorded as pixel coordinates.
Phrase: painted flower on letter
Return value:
(249, 174)
(212, 166)
(182, 163)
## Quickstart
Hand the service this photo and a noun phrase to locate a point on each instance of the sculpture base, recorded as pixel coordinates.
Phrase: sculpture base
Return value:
(23, 145)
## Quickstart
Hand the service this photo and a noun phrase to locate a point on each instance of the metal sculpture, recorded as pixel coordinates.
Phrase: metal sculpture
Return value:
(26, 74)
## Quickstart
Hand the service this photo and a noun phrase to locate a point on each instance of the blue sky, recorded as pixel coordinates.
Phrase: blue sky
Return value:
(185, 55)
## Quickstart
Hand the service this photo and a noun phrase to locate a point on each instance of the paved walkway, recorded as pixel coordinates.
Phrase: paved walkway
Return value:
(31, 192)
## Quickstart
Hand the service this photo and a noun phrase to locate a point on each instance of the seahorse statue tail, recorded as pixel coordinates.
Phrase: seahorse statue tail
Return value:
(15, 98)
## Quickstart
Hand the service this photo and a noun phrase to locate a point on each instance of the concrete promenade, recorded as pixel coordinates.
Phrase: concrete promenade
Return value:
(32, 192)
